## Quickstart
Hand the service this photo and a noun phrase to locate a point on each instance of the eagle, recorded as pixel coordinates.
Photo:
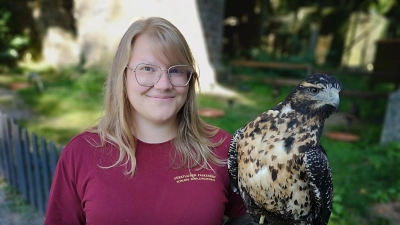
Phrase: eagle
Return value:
(277, 163)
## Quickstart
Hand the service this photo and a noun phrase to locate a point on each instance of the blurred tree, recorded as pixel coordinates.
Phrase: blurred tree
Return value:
(393, 15)
(14, 38)
(56, 13)
(24, 23)
(242, 25)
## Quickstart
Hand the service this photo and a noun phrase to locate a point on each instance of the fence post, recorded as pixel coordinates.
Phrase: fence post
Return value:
(37, 178)
(2, 147)
(19, 160)
(45, 171)
(9, 154)
(29, 167)
(53, 155)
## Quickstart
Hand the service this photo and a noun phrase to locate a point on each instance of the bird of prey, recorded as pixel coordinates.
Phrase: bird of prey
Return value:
(277, 163)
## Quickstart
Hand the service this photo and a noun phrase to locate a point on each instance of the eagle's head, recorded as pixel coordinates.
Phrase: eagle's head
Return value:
(317, 94)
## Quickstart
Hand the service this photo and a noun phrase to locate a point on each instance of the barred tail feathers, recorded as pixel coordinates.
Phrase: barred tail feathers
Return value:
(232, 160)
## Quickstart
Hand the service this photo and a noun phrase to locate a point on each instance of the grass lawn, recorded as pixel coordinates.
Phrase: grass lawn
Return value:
(364, 172)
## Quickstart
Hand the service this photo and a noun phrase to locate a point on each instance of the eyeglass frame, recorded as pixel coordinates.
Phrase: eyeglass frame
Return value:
(159, 76)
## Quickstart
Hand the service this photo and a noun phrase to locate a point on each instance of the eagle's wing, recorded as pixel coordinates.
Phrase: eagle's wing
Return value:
(233, 161)
(320, 176)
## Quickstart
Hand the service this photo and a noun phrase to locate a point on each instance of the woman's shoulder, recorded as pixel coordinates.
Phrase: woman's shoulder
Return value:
(222, 134)
(84, 137)
(224, 138)
(82, 141)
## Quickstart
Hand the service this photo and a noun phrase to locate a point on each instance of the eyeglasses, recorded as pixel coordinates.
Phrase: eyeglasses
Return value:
(148, 75)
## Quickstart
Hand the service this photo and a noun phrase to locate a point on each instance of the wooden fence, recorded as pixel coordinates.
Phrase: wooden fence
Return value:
(27, 162)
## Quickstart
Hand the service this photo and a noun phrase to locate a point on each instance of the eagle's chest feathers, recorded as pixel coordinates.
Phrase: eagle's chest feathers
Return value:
(273, 161)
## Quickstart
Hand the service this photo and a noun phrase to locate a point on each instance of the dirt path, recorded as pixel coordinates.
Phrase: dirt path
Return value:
(11, 105)
(12, 212)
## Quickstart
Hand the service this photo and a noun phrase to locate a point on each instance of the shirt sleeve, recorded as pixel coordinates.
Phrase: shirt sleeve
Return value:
(64, 205)
(235, 207)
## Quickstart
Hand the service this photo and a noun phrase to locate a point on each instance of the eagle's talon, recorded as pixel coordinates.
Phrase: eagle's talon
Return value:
(262, 218)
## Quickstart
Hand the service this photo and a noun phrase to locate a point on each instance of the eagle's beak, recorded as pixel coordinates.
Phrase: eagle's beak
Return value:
(334, 98)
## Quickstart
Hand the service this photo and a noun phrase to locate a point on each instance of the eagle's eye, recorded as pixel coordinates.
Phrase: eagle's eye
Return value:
(314, 90)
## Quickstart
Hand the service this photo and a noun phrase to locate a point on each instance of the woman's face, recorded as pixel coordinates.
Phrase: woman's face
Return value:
(159, 104)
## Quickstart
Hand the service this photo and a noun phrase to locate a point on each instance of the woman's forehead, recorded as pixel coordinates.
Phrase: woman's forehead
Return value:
(167, 50)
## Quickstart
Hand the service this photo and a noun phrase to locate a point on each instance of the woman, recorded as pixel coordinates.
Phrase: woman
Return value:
(150, 159)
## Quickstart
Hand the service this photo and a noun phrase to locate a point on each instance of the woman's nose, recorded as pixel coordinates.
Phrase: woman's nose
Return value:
(163, 81)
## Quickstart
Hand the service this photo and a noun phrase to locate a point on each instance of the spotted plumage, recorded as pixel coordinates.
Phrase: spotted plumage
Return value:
(276, 162)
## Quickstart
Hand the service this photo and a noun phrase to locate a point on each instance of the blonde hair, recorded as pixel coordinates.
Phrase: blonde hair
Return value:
(193, 141)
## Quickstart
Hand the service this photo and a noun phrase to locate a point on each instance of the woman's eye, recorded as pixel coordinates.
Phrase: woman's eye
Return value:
(314, 90)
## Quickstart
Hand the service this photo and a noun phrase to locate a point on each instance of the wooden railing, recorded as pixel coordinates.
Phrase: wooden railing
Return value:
(27, 162)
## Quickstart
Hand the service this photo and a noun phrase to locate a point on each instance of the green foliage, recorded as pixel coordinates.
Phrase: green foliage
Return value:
(382, 6)
(4, 20)
(15, 201)
(362, 174)
(70, 103)
(10, 42)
